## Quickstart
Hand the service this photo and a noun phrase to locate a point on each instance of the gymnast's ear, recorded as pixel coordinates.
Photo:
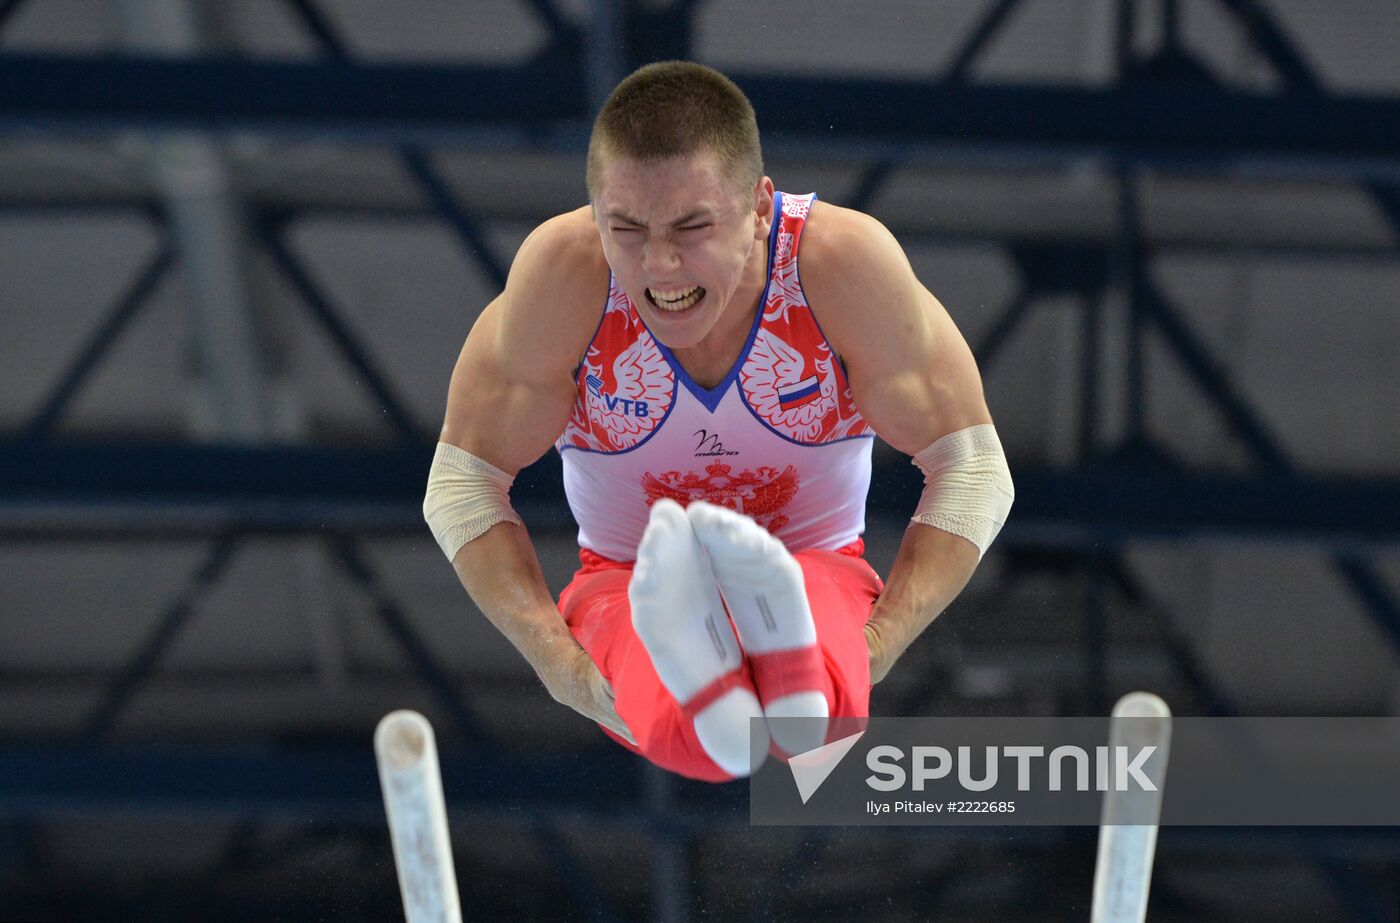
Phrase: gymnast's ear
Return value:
(763, 207)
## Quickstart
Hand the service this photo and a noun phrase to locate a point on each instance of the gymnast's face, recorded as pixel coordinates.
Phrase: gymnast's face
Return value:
(686, 246)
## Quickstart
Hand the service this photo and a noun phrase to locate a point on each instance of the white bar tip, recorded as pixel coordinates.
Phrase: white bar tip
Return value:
(1141, 705)
(401, 739)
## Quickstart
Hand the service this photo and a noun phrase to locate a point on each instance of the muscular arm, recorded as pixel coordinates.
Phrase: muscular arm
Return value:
(914, 379)
(510, 397)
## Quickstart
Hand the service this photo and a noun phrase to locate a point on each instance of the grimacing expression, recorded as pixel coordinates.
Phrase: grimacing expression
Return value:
(681, 240)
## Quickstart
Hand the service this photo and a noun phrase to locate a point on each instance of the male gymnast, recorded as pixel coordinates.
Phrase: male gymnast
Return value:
(715, 409)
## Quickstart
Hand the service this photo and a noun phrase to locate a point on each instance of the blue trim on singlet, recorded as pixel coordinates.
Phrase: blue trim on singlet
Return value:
(607, 300)
(808, 445)
(744, 399)
(644, 440)
(675, 393)
(711, 397)
(579, 368)
(797, 274)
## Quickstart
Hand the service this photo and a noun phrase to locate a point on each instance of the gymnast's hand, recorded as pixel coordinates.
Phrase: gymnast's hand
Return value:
(578, 684)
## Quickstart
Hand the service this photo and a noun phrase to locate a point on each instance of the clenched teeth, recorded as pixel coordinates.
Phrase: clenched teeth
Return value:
(676, 299)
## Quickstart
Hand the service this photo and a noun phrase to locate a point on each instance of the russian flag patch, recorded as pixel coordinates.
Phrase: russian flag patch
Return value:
(804, 392)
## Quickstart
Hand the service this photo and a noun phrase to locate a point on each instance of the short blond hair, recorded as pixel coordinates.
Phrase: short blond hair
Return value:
(675, 108)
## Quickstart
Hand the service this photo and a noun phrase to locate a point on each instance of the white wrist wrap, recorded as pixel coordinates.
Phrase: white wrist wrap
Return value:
(466, 496)
(967, 486)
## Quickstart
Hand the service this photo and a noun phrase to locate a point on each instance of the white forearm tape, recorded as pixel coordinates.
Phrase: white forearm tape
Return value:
(466, 496)
(967, 486)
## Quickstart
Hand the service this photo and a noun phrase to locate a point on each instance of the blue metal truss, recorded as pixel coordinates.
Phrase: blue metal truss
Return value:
(415, 160)
(99, 343)
(202, 490)
(1148, 122)
(350, 346)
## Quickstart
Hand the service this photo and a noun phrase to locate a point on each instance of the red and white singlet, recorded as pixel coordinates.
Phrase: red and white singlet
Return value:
(779, 439)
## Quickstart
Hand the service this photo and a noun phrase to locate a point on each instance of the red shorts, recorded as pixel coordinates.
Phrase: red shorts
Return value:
(841, 588)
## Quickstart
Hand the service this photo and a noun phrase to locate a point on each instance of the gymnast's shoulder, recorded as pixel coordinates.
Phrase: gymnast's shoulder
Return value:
(856, 278)
(557, 286)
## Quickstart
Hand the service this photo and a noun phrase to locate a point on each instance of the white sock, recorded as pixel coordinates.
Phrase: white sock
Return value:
(678, 614)
(762, 584)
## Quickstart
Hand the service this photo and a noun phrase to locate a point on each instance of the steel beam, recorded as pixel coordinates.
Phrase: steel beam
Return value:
(982, 34)
(385, 101)
(349, 345)
(1200, 124)
(136, 296)
(333, 784)
(413, 647)
(418, 162)
(66, 491)
(126, 682)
